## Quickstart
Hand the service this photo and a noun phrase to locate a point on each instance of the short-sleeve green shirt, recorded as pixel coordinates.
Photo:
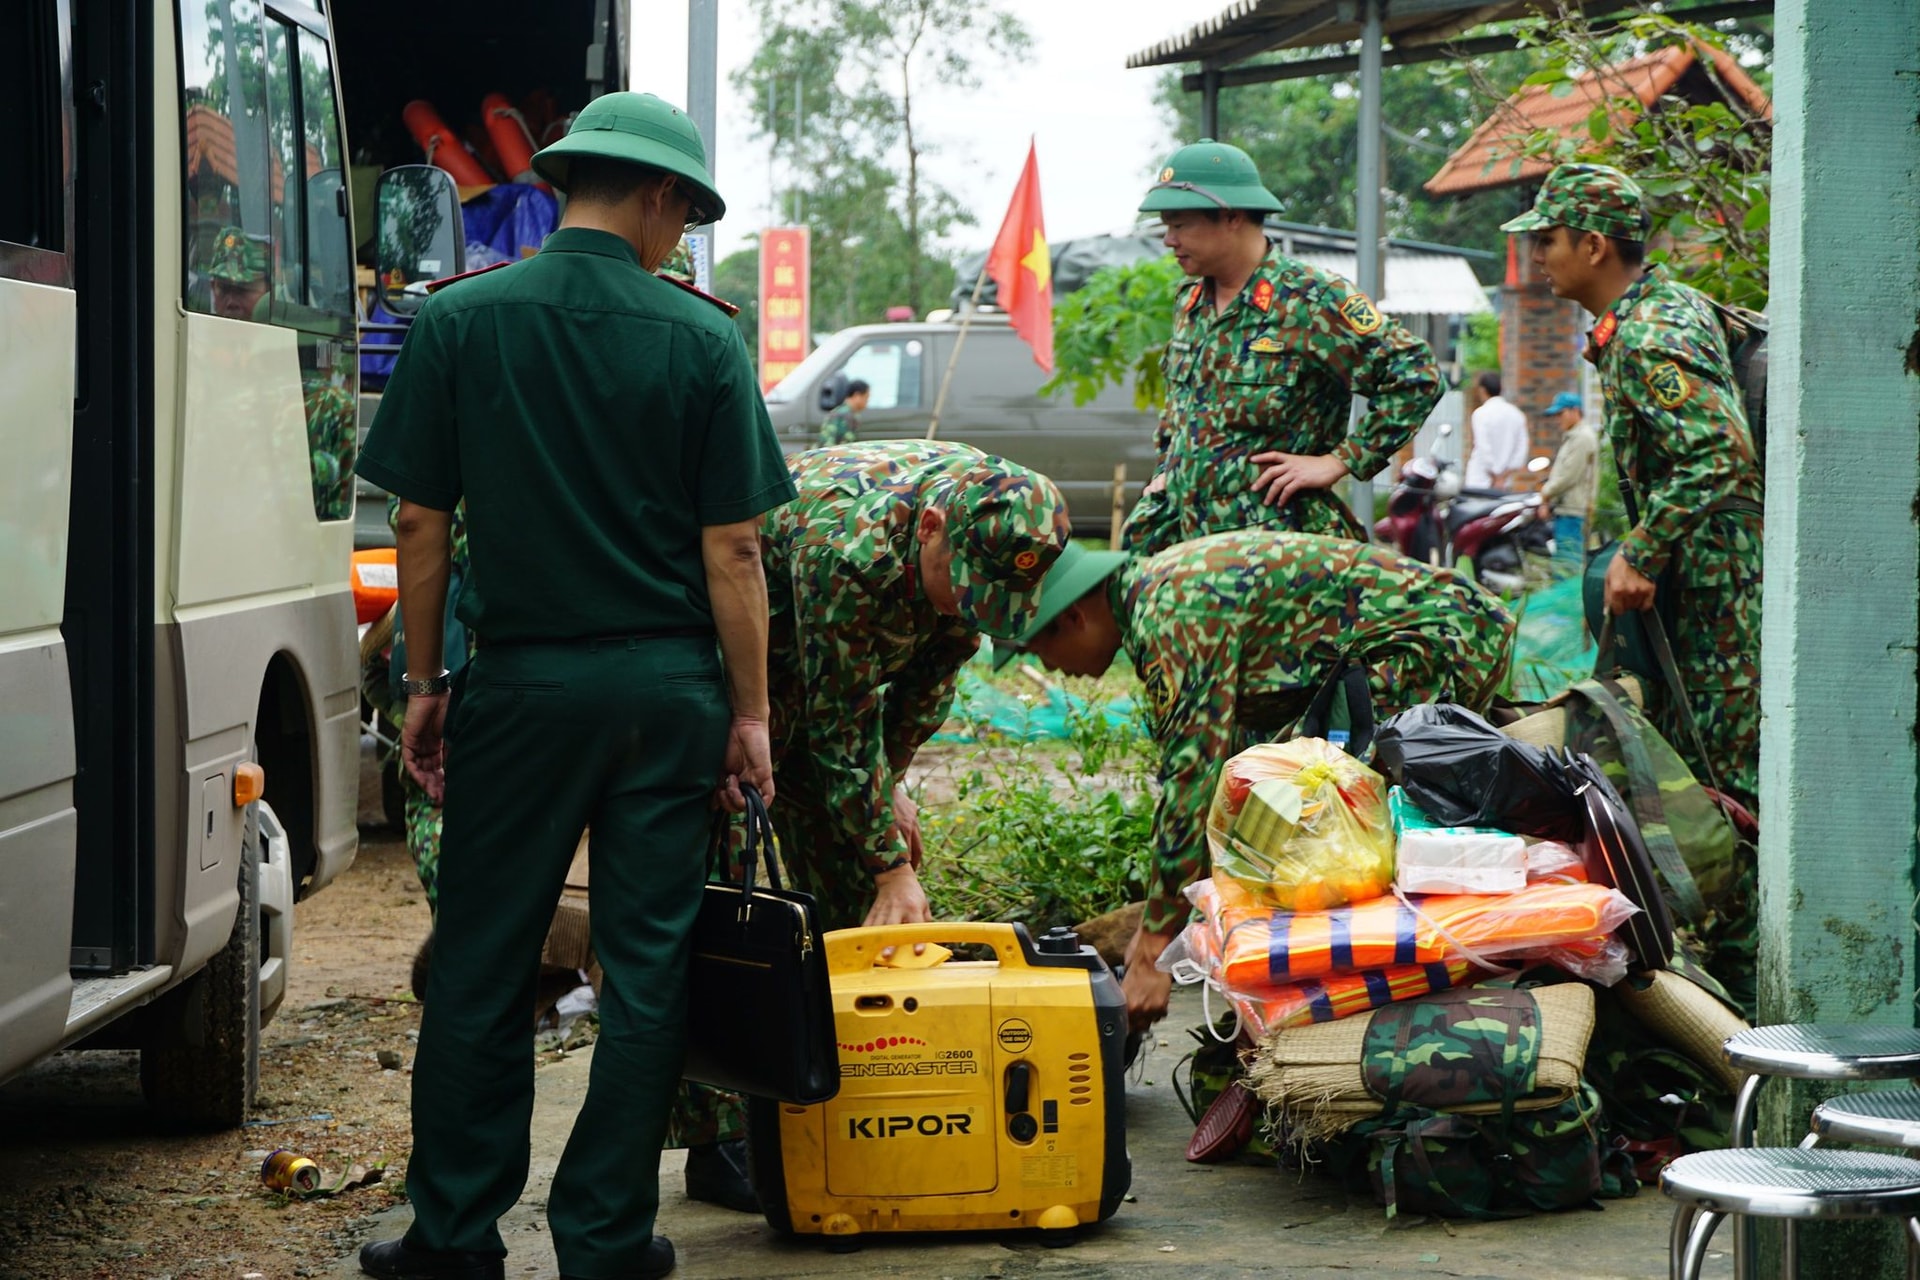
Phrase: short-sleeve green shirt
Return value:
(594, 417)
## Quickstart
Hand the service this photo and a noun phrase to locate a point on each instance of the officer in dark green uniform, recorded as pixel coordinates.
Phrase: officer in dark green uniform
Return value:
(603, 427)
(1265, 358)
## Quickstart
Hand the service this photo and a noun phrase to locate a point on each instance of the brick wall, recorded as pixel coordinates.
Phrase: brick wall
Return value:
(1540, 341)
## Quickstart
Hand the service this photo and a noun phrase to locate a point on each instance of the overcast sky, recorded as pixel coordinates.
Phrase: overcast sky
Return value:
(1094, 122)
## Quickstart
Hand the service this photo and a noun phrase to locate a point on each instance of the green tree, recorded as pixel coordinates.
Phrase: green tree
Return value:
(856, 138)
(736, 278)
(1706, 167)
(1305, 134)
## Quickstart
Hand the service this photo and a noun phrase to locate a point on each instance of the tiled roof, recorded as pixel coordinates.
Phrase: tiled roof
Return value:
(1490, 158)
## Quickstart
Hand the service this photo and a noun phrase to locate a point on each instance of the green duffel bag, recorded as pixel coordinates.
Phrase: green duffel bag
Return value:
(1427, 1058)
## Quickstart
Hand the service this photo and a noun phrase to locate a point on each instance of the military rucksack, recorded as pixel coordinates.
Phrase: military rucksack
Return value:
(1746, 333)
(1422, 1156)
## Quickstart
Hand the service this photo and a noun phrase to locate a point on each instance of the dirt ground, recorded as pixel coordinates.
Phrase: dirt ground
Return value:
(89, 1187)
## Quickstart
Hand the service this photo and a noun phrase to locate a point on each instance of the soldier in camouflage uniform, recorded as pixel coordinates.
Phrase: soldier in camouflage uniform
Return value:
(1679, 433)
(238, 272)
(1232, 635)
(880, 579)
(842, 423)
(1266, 356)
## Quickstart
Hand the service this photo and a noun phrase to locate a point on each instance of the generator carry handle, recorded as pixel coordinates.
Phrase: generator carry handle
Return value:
(856, 950)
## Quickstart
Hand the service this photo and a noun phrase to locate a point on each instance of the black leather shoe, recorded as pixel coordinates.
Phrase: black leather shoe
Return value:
(398, 1260)
(657, 1262)
(717, 1173)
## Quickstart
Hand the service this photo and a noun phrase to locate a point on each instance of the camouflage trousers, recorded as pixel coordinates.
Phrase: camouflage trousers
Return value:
(817, 858)
(1716, 647)
(423, 839)
(1166, 519)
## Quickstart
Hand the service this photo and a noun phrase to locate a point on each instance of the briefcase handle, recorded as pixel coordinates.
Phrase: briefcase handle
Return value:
(759, 845)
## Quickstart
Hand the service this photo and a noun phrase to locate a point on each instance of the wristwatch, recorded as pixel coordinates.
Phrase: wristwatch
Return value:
(431, 685)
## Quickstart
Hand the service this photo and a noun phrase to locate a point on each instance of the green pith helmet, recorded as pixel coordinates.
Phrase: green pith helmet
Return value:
(1209, 175)
(1077, 572)
(637, 128)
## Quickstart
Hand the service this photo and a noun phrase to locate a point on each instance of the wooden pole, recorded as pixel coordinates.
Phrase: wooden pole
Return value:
(1119, 504)
(959, 340)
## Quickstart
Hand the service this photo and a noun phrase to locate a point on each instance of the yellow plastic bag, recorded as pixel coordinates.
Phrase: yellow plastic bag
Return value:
(1302, 826)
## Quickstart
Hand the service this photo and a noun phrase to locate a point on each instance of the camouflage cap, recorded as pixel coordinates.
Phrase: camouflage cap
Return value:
(1588, 197)
(1007, 526)
(237, 257)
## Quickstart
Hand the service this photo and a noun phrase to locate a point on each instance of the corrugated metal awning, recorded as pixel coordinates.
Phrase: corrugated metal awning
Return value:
(1418, 284)
(1249, 27)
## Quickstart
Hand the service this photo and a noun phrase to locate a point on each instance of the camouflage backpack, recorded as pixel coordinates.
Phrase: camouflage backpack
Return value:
(1471, 1046)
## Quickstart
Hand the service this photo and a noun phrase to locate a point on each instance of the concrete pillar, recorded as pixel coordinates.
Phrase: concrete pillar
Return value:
(1838, 776)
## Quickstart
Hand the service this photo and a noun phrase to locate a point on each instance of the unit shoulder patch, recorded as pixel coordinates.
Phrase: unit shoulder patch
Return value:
(1360, 314)
(1669, 386)
(1160, 688)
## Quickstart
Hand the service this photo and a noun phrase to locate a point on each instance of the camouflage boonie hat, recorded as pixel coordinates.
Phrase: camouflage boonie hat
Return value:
(1588, 197)
(1007, 526)
(237, 257)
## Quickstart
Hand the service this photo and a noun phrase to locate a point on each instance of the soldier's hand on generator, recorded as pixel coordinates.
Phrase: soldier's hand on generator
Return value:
(899, 899)
(1284, 474)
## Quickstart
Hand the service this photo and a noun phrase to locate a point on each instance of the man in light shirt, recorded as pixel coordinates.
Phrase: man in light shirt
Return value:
(1499, 452)
(1575, 478)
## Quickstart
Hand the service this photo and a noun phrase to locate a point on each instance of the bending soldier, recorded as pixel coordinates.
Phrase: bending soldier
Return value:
(1232, 636)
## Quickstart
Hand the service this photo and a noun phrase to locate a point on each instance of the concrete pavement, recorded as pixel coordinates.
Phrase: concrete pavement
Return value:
(1184, 1220)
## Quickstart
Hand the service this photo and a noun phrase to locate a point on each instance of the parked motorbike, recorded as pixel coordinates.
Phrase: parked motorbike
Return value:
(1431, 517)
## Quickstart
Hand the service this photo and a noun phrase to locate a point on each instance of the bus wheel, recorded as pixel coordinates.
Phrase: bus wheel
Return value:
(201, 1065)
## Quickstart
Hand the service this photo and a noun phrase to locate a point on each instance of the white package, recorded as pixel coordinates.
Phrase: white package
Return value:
(1461, 860)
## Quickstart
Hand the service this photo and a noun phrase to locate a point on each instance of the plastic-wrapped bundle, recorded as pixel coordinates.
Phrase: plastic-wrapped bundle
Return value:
(1270, 1006)
(1301, 825)
(1261, 945)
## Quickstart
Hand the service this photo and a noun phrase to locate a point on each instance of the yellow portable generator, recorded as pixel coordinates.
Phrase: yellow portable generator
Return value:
(973, 1095)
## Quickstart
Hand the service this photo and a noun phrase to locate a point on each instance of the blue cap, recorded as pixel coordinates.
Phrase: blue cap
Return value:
(1565, 400)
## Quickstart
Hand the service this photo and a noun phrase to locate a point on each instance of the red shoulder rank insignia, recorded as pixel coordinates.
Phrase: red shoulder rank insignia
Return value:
(1194, 293)
(1263, 295)
(435, 286)
(721, 303)
(1604, 331)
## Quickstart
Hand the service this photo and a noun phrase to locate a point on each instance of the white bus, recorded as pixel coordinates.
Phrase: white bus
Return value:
(175, 527)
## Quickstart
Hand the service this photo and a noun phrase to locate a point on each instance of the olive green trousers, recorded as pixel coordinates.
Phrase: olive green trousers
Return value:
(626, 736)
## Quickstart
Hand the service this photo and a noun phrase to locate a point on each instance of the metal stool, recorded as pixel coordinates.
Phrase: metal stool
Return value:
(1789, 1183)
(1887, 1119)
(1816, 1051)
(1810, 1051)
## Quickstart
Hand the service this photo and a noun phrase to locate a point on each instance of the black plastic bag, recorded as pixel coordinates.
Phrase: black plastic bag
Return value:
(1463, 772)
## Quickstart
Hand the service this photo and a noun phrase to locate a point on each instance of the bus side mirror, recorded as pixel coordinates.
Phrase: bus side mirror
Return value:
(420, 234)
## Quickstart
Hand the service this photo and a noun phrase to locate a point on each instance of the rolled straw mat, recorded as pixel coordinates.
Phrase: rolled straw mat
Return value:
(1688, 1018)
(1310, 1077)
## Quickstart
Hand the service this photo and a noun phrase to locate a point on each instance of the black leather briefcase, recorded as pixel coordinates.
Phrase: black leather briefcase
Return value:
(759, 1014)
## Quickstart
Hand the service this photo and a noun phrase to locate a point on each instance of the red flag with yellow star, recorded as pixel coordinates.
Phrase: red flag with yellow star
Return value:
(1021, 268)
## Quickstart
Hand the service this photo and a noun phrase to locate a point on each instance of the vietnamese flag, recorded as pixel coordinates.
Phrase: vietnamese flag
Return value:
(1021, 269)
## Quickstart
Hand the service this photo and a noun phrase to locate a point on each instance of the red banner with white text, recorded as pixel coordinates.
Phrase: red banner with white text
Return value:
(784, 282)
